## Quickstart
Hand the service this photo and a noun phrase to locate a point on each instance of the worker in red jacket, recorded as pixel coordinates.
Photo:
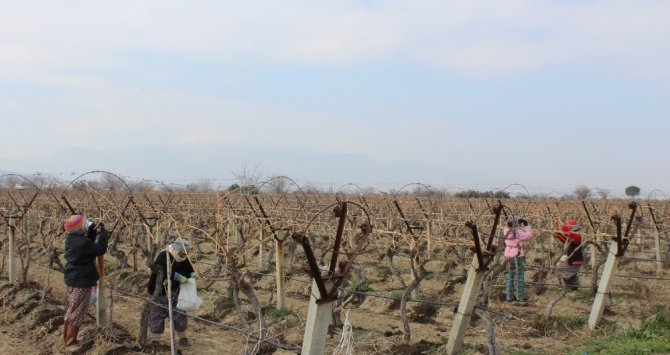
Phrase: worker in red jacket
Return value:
(572, 258)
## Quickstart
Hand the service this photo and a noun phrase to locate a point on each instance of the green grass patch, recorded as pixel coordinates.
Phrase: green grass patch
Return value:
(364, 287)
(558, 324)
(582, 296)
(362, 334)
(653, 337)
(425, 298)
(278, 313)
(470, 349)
(570, 322)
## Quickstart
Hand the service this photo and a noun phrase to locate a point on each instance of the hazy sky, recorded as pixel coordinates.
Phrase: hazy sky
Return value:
(549, 94)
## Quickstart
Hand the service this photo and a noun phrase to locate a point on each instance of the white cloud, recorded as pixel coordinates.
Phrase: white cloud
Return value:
(68, 50)
(40, 39)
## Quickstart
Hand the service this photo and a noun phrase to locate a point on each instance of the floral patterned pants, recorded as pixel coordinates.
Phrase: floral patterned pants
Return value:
(78, 299)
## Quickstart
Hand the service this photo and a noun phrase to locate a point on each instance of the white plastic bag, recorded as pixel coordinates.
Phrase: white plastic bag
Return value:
(94, 295)
(188, 300)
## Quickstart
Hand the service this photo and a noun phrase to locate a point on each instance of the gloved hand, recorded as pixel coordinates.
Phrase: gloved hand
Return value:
(523, 222)
(102, 232)
(193, 276)
(179, 277)
(90, 233)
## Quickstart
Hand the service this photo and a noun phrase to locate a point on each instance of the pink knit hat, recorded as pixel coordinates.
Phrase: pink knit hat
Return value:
(74, 223)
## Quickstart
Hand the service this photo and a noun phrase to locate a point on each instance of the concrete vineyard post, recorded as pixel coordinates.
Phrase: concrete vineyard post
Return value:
(231, 228)
(604, 286)
(279, 259)
(261, 249)
(318, 320)
(639, 239)
(657, 247)
(465, 307)
(149, 231)
(429, 235)
(657, 241)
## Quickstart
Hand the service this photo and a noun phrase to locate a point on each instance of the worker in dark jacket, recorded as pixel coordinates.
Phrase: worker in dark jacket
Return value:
(80, 272)
(181, 270)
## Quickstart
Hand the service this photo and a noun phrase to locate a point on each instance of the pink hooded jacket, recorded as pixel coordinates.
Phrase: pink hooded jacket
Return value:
(515, 238)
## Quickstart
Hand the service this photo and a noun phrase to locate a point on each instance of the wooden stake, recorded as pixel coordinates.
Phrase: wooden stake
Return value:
(594, 250)
(168, 264)
(415, 291)
(11, 260)
(100, 306)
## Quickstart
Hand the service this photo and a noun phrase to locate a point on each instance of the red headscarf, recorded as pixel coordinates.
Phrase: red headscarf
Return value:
(569, 231)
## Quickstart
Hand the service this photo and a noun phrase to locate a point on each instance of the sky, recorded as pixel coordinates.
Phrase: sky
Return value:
(455, 94)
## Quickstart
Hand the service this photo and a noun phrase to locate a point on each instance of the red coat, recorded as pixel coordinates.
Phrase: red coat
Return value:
(575, 257)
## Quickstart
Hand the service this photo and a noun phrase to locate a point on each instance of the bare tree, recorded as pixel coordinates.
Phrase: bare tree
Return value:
(111, 183)
(10, 181)
(279, 184)
(204, 185)
(248, 176)
(311, 189)
(143, 186)
(44, 180)
(603, 193)
(582, 192)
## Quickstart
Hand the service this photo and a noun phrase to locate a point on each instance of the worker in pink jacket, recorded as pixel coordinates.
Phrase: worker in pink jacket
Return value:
(516, 234)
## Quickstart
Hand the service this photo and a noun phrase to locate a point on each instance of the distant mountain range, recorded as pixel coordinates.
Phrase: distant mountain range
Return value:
(191, 163)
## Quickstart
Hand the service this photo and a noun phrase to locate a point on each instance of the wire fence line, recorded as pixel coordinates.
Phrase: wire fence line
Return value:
(349, 290)
(221, 220)
(252, 335)
(274, 341)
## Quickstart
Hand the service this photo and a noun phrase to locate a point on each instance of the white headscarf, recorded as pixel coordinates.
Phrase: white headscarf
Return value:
(180, 246)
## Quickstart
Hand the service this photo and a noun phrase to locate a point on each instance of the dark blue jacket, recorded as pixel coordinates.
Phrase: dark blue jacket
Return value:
(183, 268)
(80, 254)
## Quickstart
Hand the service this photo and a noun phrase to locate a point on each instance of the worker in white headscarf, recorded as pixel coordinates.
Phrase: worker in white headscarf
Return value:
(181, 270)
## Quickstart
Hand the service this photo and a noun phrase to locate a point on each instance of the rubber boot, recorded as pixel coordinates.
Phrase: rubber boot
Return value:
(154, 337)
(71, 344)
(183, 340)
(66, 330)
